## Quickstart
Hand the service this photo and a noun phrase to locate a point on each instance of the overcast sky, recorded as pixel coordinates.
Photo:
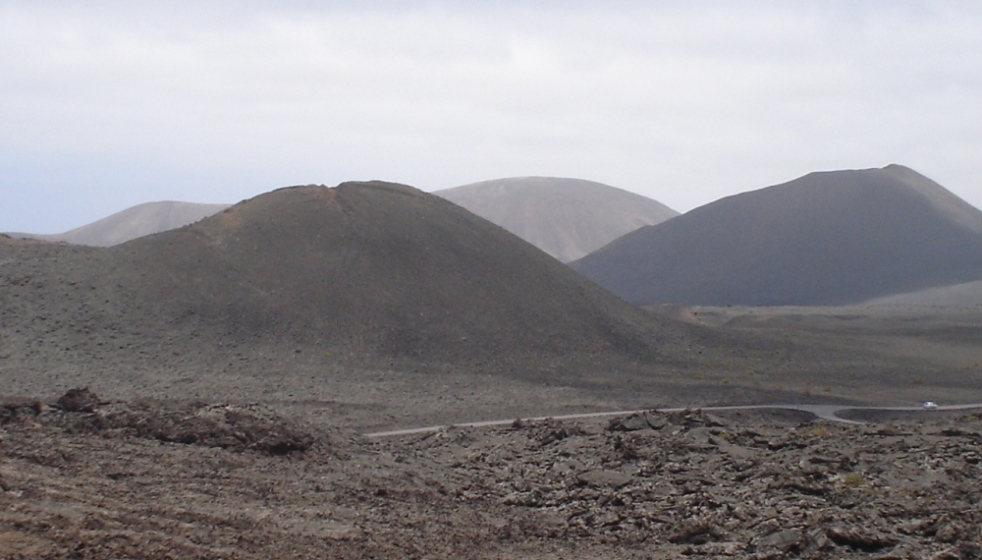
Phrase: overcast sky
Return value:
(104, 105)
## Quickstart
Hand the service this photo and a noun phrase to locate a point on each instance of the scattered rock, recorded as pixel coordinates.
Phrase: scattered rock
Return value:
(78, 400)
(697, 417)
(222, 425)
(551, 431)
(637, 422)
(537, 489)
(860, 539)
(236, 427)
(604, 479)
(20, 412)
(950, 531)
(694, 531)
(628, 424)
(782, 540)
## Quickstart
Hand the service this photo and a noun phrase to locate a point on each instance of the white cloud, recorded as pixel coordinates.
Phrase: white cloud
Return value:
(683, 103)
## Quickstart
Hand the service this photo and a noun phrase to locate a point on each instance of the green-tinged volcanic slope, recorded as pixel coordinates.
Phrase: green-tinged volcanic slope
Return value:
(370, 273)
(823, 239)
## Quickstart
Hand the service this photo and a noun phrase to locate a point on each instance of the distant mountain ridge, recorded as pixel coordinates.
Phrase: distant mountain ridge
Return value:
(136, 221)
(566, 218)
(826, 238)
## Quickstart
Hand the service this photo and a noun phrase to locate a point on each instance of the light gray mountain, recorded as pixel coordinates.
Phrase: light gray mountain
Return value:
(968, 294)
(566, 218)
(137, 221)
(823, 239)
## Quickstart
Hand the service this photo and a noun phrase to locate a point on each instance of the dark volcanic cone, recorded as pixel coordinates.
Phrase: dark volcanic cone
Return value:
(378, 267)
(369, 272)
(826, 238)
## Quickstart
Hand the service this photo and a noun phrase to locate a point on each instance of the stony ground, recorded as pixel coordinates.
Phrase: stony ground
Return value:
(374, 307)
(81, 478)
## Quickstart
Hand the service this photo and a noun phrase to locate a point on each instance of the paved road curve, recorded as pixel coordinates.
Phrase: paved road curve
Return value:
(823, 411)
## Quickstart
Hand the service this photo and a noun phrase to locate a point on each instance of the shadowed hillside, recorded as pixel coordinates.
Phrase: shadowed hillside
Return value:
(826, 238)
(567, 218)
(137, 221)
(368, 273)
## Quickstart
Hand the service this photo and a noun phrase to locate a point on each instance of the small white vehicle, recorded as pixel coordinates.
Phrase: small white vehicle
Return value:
(929, 405)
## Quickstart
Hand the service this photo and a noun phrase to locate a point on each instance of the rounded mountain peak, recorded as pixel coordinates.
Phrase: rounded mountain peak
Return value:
(566, 218)
(380, 269)
(825, 238)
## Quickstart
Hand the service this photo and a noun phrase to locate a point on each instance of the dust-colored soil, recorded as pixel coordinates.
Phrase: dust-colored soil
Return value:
(890, 354)
(195, 480)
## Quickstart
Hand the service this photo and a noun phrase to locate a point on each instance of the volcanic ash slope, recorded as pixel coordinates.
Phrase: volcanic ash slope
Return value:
(824, 239)
(374, 273)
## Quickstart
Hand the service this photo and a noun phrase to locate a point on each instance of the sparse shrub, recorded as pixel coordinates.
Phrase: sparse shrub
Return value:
(853, 479)
(818, 430)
